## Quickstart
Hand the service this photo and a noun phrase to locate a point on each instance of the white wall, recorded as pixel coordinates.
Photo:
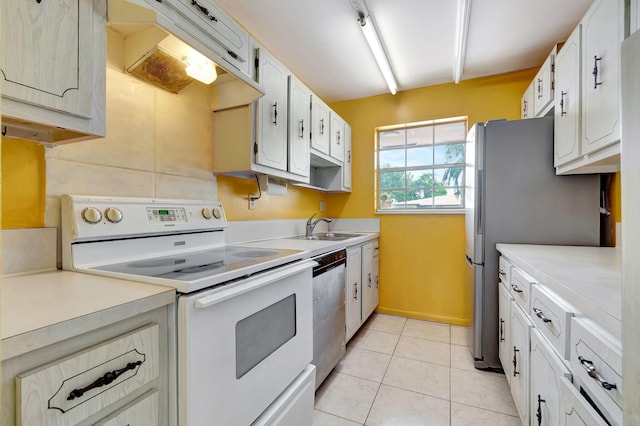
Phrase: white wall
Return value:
(158, 144)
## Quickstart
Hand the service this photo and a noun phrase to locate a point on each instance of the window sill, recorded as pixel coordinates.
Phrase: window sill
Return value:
(421, 211)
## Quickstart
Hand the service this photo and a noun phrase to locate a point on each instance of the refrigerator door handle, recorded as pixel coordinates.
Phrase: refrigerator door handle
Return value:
(479, 202)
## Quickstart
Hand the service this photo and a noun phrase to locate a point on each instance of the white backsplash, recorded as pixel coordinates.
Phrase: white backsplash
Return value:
(28, 250)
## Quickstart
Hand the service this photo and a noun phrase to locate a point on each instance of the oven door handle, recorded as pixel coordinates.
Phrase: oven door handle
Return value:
(251, 284)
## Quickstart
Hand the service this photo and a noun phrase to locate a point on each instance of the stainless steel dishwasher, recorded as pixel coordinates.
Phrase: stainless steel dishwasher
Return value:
(329, 332)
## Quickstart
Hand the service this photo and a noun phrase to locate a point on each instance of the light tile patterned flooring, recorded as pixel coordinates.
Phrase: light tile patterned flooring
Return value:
(405, 372)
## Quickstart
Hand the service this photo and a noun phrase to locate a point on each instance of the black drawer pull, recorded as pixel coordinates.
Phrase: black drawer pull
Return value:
(540, 315)
(592, 372)
(515, 361)
(108, 378)
(516, 288)
(539, 410)
(204, 10)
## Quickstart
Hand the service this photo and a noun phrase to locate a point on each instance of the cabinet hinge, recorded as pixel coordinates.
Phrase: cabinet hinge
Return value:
(255, 148)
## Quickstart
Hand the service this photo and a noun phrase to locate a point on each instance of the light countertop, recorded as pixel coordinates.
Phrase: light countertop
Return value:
(587, 277)
(44, 308)
(312, 247)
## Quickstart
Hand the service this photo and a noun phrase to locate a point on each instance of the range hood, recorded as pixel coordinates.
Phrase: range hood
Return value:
(158, 50)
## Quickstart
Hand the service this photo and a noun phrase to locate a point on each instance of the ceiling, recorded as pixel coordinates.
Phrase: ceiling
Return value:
(321, 43)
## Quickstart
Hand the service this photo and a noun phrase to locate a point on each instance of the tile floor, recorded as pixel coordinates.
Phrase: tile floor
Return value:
(404, 372)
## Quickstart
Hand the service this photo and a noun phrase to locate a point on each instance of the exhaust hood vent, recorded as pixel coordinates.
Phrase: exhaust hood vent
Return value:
(165, 71)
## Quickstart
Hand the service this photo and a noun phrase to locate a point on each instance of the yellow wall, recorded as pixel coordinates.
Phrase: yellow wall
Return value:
(422, 263)
(299, 203)
(23, 184)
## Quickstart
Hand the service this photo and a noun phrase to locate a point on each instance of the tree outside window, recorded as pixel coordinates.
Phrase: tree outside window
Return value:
(421, 166)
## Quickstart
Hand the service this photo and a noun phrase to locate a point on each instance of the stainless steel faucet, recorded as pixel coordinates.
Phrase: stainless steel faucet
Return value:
(311, 224)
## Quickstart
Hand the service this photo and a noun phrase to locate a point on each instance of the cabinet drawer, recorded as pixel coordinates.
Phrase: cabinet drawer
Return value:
(70, 390)
(574, 409)
(504, 270)
(592, 350)
(521, 288)
(552, 316)
(143, 411)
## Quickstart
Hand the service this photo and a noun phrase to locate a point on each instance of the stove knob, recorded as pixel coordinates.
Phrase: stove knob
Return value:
(206, 213)
(91, 215)
(113, 214)
(217, 213)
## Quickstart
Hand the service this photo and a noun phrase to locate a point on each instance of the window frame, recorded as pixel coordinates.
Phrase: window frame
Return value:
(377, 169)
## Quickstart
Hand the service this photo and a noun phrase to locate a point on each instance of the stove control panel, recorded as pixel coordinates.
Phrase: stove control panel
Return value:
(164, 215)
(93, 218)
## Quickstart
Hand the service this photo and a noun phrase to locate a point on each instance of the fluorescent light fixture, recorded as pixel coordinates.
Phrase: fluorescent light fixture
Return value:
(462, 33)
(200, 68)
(378, 52)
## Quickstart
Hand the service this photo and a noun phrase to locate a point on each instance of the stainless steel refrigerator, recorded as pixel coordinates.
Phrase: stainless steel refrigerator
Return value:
(514, 196)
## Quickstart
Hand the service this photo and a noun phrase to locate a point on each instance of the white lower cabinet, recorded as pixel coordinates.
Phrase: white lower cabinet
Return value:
(353, 290)
(361, 286)
(562, 367)
(116, 375)
(546, 371)
(574, 409)
(520, 329)
(504, 329)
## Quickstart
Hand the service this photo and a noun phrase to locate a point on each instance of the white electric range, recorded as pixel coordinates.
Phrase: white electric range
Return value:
(244, 315)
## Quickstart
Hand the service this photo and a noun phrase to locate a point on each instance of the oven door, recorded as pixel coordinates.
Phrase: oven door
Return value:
(241, 345)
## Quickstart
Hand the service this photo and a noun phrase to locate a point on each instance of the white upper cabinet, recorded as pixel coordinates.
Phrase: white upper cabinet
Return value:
(299, 127)
(634, 17)
(337, 137)
(207, 16)
(567, 101)
(526, 103)
(271, 124)
(603, 31)
(543, 85)
(346, 165)
(53, 69)
(320, 127)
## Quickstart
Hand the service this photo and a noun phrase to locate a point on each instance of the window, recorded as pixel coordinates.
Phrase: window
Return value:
(420, 166)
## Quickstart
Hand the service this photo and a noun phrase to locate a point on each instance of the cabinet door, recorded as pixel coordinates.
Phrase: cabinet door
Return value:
(543, 86)
(602, 28)
(320, 125)
(353, 291)
(271, 123)
(504, 330)
(47, 53)
(299, 127)
(546, 371)
(337, 137)
(567, 101)
(376, 274)
(520, 327)
(346, 166)
(526, 104)
(574, 409)
(368, 281)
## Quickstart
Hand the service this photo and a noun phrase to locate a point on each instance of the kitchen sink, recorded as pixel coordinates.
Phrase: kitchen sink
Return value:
(326, 236)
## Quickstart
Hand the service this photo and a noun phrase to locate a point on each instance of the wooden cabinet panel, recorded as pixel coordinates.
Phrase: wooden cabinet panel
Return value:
(567, 102)
(602, 33)
(336, 149)
(271, 123)
(320, 127)
(143, 411)
(520, 328)
(504, 330)
(299, 127)
(543, 85)
(82, 384)
(546, 372)
(353, 290)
